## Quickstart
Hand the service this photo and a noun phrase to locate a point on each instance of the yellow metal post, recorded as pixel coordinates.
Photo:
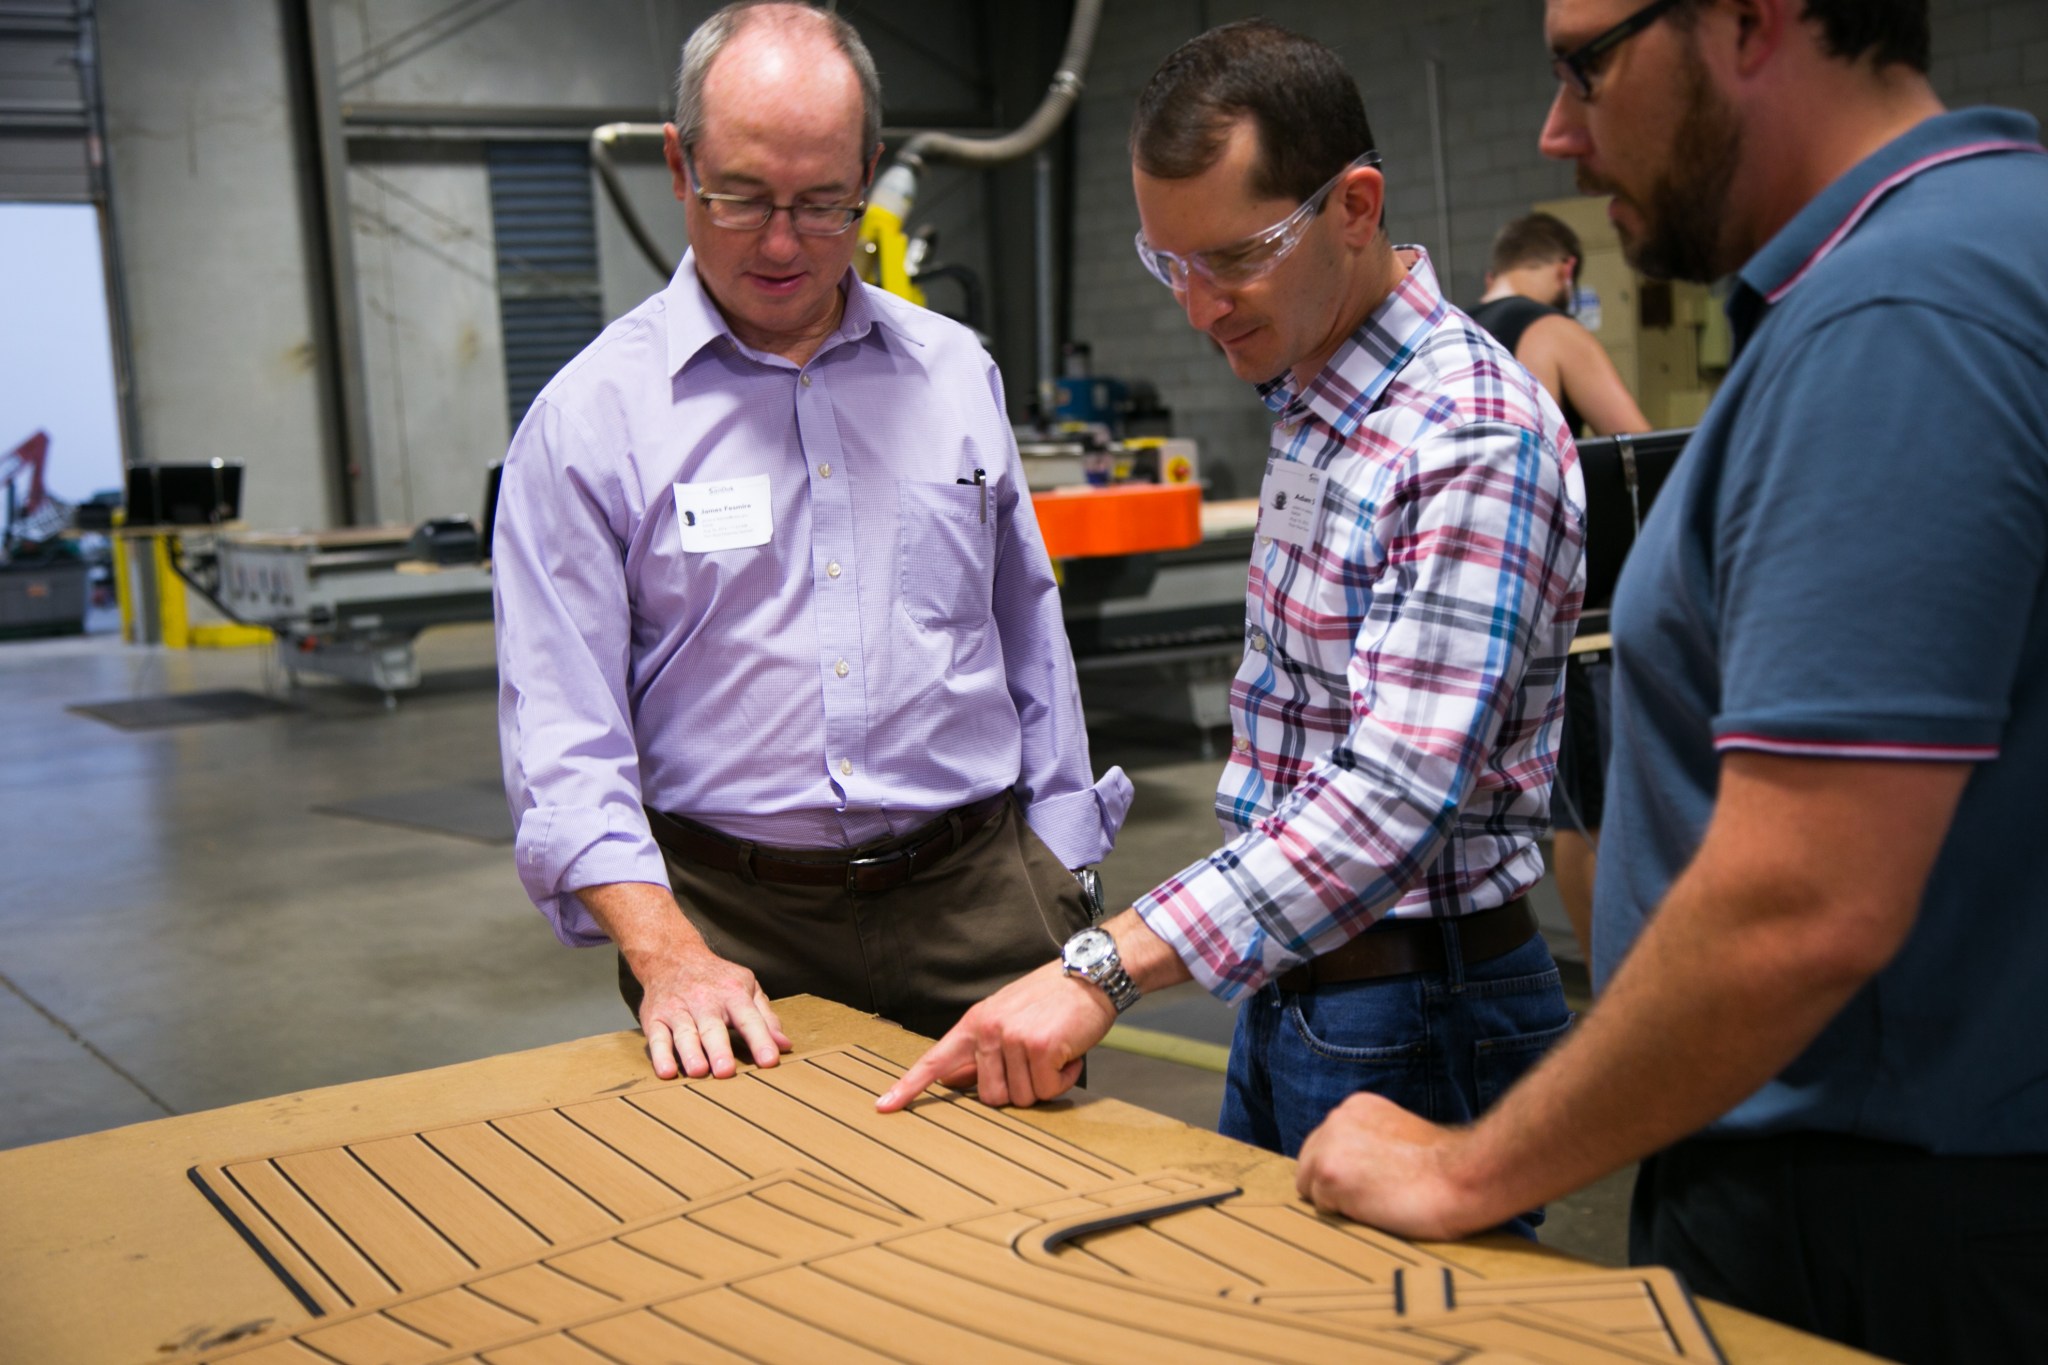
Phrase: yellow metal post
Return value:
(172, 627)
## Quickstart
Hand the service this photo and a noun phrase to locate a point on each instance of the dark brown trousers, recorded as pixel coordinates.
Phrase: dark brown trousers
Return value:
(920, 954)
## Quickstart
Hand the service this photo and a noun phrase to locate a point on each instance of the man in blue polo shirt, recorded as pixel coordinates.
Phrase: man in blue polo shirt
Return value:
(1821, 926)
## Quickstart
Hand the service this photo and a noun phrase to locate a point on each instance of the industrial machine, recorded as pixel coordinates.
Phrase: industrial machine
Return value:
(349, 603)
(345, 603)
(43, 582)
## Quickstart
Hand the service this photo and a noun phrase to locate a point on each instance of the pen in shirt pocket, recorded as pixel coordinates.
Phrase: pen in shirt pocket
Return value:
(980, 480)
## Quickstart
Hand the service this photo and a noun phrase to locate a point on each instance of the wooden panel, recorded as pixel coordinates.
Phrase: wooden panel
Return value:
(649, 1336)
(546, 1200)
(735, 1321)
(618, 1186)
(458, 1208)
(891, 1329)
(683, 1166)
(303, 1245)
(934, 1292)
(401, 1244)
(516, 1184)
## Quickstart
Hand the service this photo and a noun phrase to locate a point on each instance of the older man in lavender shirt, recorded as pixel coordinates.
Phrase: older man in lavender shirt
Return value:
(787, 703)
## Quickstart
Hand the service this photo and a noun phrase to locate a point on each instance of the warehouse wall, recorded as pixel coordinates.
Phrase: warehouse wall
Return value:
(200, 130)
(1495, 88)
(214, 224)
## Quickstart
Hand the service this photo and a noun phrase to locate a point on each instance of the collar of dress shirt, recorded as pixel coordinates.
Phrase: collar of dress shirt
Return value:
(1350, 384)
(694, 321)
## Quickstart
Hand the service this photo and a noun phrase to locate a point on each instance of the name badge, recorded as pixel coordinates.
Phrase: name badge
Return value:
(730, 514)
(1289, 501)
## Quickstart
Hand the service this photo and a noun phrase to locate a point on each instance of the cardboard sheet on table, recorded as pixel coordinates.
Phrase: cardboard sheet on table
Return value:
(363, 1221)
(1289, 1258)
(706, 1283)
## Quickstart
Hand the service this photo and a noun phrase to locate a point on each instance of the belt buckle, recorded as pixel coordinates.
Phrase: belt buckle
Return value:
(854, 865)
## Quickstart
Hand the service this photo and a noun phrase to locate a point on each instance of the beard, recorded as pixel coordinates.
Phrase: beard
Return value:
(1682, 218)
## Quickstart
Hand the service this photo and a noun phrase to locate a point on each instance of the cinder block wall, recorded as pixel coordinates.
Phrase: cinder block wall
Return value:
(1494, 87)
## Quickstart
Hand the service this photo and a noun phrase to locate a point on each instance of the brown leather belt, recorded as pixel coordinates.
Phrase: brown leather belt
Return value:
(885, 865)
(1397, 947)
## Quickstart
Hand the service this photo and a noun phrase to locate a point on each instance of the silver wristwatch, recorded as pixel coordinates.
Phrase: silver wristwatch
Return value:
(1092, 956)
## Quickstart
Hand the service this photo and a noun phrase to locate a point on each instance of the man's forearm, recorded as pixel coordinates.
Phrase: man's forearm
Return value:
(1151, 964)
(643, 920)
(1746, 962)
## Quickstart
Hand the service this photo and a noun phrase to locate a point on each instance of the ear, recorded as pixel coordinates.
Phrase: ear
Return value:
(672, 152)
(1363, 199)
(873, 162)
(1757, 30)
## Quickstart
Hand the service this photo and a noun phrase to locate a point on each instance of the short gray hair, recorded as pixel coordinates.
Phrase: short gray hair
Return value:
(721, 28)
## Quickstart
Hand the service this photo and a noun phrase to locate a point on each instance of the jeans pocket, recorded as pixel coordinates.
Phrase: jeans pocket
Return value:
(1367, 1022)
(1497, 1063)
(946, 555)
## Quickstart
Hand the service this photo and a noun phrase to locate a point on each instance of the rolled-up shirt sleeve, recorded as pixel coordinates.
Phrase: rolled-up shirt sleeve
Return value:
(565, 729)
(1074, 815)
(1482, 558)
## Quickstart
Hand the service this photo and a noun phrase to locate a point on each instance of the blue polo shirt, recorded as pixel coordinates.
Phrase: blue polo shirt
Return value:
(1851, 560)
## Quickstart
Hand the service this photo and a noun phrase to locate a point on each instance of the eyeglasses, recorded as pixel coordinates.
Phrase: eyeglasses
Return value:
(1578, 67)
(1242, 262)
(750, 213)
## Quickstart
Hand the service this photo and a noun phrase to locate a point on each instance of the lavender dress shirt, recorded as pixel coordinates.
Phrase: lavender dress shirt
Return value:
(891, 652)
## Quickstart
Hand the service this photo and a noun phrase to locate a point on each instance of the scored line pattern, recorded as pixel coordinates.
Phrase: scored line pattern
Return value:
(360, 1222)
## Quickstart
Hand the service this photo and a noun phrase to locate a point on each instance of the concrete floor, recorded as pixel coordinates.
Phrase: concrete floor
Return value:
(181, 928)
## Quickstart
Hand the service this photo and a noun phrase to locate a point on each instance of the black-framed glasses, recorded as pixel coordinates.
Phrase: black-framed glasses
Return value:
(750, 213)
(1251, 258)
(1578, 67)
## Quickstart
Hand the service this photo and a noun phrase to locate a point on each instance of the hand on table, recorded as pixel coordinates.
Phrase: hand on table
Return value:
(695, 1001)
(1021, 1045)
(1375, 1162)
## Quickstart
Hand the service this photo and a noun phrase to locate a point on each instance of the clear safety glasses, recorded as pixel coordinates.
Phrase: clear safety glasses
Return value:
(1241, 262)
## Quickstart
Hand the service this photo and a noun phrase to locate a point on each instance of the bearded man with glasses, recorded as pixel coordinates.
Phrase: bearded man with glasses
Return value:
(1415, 585)
(787, 702)
(1821, 917)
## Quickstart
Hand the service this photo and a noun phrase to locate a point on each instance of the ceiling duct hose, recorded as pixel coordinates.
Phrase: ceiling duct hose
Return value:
(1044, 121)
(601, 142)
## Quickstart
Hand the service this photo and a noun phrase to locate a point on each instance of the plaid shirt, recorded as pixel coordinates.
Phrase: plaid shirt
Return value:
(1396, 715)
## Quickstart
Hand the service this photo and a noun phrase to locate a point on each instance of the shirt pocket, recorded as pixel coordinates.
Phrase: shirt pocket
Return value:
(946, 554)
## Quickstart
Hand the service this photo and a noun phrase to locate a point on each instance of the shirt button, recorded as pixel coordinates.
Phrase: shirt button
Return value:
(842, 668)
(1259, 641)
(832, 569)
(1241, 745)
(824, 471)
(846, 767)
(805, 381)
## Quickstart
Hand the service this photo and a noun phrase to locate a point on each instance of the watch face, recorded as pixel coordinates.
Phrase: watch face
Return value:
(1088, 950)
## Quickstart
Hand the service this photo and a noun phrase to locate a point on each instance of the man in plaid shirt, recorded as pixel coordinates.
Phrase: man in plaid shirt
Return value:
(1414, 588)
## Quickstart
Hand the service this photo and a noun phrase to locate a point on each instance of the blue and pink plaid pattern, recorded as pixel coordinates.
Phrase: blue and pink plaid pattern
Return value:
(1395, 718)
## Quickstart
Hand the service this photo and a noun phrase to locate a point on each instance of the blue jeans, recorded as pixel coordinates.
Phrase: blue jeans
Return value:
(1442, 1045)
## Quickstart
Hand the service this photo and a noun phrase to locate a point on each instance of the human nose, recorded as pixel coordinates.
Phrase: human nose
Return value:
(1564, 128)
(779, 236)
(1203, 301)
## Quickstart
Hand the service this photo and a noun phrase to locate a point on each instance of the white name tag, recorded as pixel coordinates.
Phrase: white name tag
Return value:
(730, 514)
(1289, 501)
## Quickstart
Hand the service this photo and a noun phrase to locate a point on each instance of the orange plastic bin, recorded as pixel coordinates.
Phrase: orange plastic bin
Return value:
(1126, 519)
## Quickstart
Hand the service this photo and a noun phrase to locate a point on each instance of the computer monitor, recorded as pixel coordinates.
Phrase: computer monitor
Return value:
(1623, 477)
(184, 494)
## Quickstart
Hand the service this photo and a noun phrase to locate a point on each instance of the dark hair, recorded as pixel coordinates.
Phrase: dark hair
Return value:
(1297, 94)
(1894, 32)
(1537, 239)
